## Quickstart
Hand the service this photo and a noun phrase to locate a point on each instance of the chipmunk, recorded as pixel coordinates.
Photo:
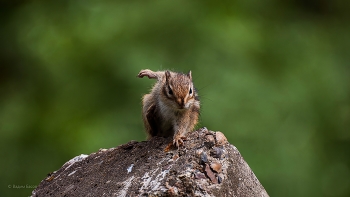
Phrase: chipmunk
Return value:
(172, 106)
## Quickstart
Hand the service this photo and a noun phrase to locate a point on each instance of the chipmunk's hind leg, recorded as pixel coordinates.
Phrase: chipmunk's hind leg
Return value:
(149, 116)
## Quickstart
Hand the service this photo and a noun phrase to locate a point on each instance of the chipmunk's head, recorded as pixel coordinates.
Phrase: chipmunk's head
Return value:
(179, 90)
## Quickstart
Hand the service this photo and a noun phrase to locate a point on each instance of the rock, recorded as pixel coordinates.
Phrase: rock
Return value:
(209, 141)
(146, 169)
(210, 174)
(216, 152)
(203, 158)
(216, 167)
(220, 138)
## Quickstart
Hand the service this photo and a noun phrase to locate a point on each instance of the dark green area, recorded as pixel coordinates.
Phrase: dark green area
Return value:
(273, 76)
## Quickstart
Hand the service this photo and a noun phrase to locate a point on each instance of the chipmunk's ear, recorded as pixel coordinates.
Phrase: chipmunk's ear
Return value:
(167, 76)
(189, 74)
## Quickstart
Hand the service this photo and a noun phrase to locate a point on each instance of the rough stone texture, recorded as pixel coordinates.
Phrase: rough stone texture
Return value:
(206, 165)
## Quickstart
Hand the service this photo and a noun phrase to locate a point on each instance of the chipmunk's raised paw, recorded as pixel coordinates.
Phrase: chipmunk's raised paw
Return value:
(148, 73)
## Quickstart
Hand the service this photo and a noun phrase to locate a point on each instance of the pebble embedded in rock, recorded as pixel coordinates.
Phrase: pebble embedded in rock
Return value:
(204, 158)
(209, 141)
(175, 157)
(220, 138)
(203, 131)
(216, 152)
(217, 167)
(219, 179)
(210, 174)
(210, 138)
(199, 152)
(199, 175)
(189, 166)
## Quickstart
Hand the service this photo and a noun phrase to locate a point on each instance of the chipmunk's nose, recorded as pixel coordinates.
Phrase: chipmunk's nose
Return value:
(181, 103)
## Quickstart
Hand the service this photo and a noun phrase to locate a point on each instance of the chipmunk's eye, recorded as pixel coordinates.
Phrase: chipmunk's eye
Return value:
(170, 91)
(190, 91)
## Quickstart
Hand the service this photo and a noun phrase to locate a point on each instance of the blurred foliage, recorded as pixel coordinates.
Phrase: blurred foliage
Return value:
(272, 75)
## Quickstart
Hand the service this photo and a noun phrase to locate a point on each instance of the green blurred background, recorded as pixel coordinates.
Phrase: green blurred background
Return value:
(273, 76)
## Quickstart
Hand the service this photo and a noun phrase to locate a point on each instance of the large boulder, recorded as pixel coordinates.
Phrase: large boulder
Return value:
(206, 165)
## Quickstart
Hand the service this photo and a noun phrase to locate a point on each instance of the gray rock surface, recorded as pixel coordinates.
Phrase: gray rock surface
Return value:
(206, 165)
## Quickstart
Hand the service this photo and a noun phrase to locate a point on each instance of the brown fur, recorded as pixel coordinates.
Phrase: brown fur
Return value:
(169, 109)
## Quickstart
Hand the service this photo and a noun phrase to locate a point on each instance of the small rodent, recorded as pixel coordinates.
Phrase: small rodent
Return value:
(172, 107)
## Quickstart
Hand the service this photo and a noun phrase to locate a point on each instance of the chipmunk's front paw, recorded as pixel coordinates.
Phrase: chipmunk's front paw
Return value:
(178, 141)
(148, 73)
